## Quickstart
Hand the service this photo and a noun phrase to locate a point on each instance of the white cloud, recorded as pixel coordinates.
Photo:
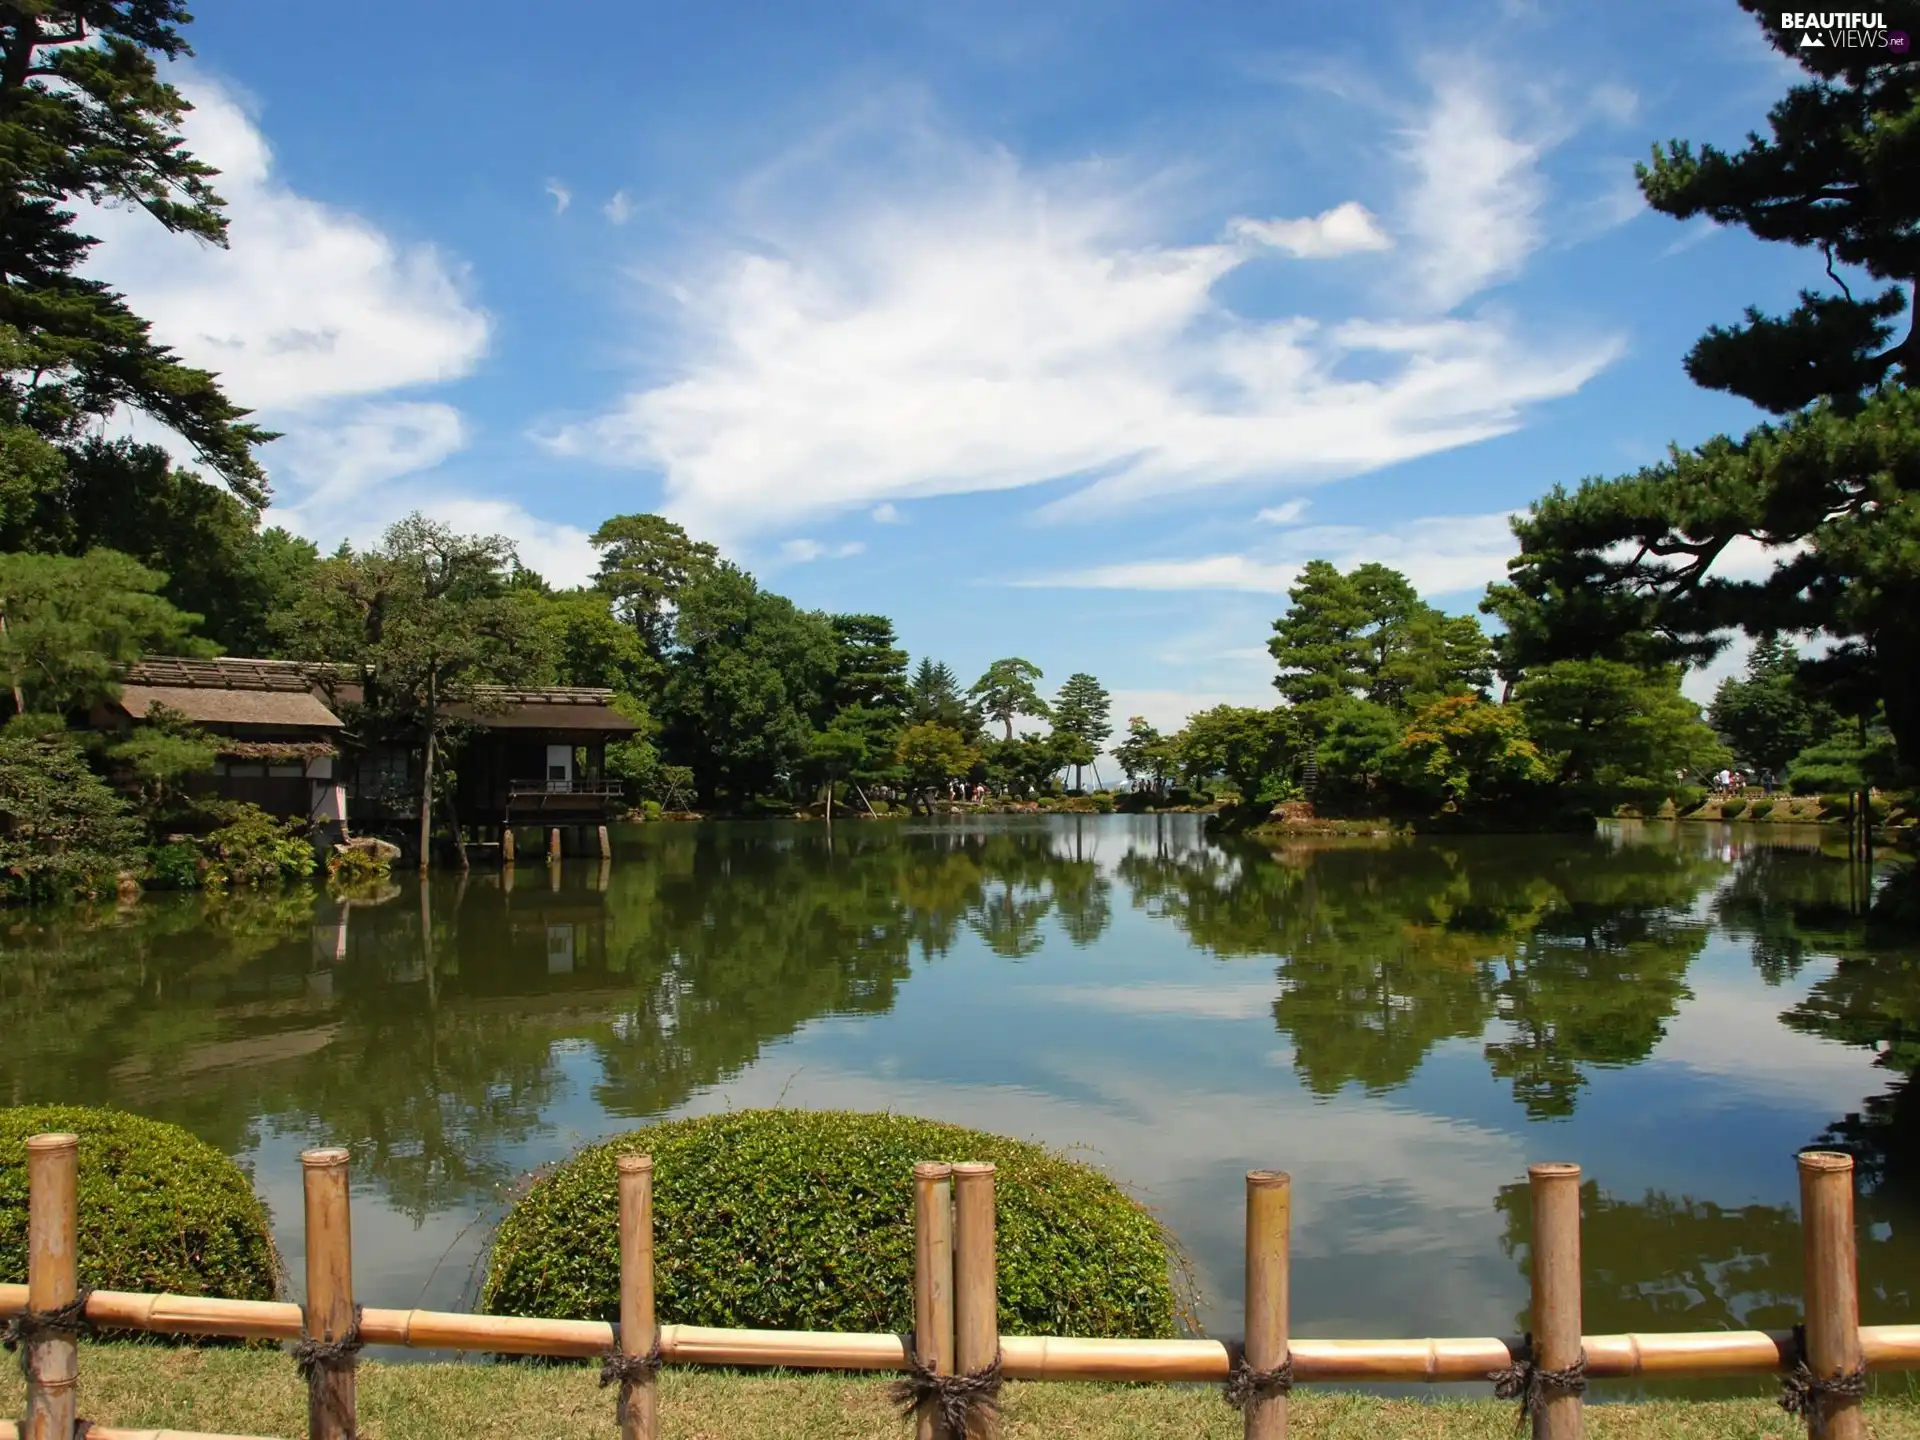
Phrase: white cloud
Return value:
(309, 304)
(1474, 211)
(1167, 710)
(562, 196)
(619, 209)
(799, 552)
(948, 321)
(375, 443)
(1343, 230)
(887, 513)
(1284, 514)
(1440, 554)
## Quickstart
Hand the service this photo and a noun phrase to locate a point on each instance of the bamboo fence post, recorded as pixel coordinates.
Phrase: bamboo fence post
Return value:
(553, 843)
(506, 844)
(639, 1400)
(53, 1282)
(1269, 1213)
(330, 1319)
(1556, 1296)
(932, 1284)
(976, 1299)
(606, 845)
(1833, 1295)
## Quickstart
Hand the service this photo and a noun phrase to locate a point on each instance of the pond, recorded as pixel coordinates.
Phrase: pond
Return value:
(1402, 1025)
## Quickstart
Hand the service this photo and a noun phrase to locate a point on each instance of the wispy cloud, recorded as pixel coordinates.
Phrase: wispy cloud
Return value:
(1285, 514)
(954, 321)
(619, 209)
(799, 552)
(887, 513)
(1441, 554)
(1474, 209)
(562, 196)
(1344, 230)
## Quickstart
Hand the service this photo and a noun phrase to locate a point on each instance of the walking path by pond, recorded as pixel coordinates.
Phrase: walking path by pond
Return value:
(1402, 1025)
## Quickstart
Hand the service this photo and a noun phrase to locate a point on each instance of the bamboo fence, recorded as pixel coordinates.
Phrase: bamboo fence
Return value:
(956, 1344)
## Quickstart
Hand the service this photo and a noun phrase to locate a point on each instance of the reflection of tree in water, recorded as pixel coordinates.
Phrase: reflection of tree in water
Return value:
(1387, 949)
(434, 1037)
(1792, 905)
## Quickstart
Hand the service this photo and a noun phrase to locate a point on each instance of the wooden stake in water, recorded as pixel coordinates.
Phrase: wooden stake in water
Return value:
(1556, 1295)
(1832, 1291)
(53, 1281)
(639, 1402)
(329, 1309)
(932, 1282)
(976, 1299)
(1269, 1216)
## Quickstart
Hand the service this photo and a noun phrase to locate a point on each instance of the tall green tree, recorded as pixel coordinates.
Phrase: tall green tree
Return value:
(1084, 711)
(1368, 635)
(1617, 734)
(85, 116)
(1767, 717)
(1145, 754)
(646, 561)
(65, 832)
(748, 673)
(426, 617)
(1256, 751)
(68, 625)
(869, 667)
(1629, 569)
(1007, 691)
(929, 754)
(933, 695)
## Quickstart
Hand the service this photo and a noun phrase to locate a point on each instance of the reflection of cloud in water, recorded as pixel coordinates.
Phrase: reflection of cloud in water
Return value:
(1185, 1002)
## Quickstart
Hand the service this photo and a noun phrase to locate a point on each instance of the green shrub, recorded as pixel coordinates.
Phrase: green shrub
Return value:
(1879, 809)
(650, 809)
(64, 833)
(1761, 809)
(254, 848)
(159, 1209)
(177, 865)
(802, 1220)
(1732, 809)
(357, 867)
(1103, 801)
(1836, 805)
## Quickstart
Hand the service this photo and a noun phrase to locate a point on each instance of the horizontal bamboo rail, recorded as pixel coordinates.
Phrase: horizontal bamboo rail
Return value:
(1655, 1355)
(11, 1431)
(954, 1276)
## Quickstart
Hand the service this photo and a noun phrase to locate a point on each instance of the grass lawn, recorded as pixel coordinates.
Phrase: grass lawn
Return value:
(254, 1392)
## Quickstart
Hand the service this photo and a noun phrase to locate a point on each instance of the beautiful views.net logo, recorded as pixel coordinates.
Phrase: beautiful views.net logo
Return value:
(1846, 30)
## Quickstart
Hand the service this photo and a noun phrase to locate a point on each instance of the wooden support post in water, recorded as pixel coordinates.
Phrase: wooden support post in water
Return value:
(932, 1282)
(1832, 1291)
(53, 1280)
(606, 845)
(976, 1298)
(1556, 1296)
(639, 1401)
(553, 842)
(506, 844)
(329, 1318)
(1269, 1214)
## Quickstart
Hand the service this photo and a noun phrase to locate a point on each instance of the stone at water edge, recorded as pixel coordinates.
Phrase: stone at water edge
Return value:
(384, 849)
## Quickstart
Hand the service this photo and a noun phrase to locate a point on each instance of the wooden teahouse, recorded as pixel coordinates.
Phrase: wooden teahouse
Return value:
(278, 742)
(538, 757)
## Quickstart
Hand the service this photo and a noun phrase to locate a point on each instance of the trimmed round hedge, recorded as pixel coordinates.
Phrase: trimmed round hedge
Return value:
(160, 1210)
(802, 1220)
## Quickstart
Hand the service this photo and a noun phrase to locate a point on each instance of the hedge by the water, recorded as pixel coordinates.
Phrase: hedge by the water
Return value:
(802, 1220)
(160, 1210)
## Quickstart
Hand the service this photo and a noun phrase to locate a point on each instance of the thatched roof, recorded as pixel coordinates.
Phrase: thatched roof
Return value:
(551, 707)
(229, 693)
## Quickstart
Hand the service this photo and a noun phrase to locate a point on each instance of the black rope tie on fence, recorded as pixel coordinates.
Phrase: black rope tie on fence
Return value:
(311, 1356)
(1246, 1387)
(954, 1398)
(1802, 1391)
(623, 1370)
(1527, 1382)
(68, 1321)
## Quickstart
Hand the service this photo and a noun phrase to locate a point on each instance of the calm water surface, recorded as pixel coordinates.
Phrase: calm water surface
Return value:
(1402, 1026)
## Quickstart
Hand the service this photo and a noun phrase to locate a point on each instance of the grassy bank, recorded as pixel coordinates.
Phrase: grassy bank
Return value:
(256, 1393)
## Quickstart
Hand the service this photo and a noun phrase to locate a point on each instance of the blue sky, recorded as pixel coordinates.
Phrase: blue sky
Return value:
(1053, 329)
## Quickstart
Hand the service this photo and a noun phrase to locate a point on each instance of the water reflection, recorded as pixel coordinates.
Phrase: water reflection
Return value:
(1677, 1009)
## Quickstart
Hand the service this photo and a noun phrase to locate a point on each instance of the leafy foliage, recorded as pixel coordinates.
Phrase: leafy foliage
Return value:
(71, 623)
(160, 1210)
(1465, 755)
(64, 833)
(251, 847)
(1254, 750)
(1008, 691)
(802, 1220)
(1082, 713)
(1768, 718)
(1615, 733)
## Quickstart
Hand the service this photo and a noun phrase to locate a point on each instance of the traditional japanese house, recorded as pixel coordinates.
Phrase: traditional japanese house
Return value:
(278, 743)
(538, 757)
